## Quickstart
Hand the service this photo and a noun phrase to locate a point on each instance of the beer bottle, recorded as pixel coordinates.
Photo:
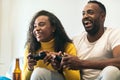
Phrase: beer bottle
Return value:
(17, 71)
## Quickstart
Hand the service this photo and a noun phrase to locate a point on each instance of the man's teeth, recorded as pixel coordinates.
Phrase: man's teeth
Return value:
(86, 22)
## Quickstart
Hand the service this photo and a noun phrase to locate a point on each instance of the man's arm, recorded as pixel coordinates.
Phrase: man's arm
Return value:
(74, 62)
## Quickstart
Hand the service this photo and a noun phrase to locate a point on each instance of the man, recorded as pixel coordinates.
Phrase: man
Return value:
(98, 48)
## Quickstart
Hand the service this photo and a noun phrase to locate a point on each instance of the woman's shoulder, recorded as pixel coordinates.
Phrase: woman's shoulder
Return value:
(70, 47)
(69, 44)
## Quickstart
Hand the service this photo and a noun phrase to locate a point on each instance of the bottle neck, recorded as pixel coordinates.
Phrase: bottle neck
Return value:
(17, 67)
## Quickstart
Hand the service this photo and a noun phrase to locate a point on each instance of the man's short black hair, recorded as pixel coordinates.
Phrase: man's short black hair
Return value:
(99, 4)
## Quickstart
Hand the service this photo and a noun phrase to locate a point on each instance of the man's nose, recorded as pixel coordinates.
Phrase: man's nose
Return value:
(85, 15)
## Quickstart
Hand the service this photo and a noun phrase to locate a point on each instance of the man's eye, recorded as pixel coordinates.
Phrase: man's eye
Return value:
(83, 13)
(90, 12)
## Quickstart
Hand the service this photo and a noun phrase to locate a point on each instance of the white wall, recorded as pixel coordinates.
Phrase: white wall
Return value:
(5, 36)
(15, 16)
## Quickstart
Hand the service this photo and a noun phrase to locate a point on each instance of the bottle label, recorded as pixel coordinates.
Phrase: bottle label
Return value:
(16, 76)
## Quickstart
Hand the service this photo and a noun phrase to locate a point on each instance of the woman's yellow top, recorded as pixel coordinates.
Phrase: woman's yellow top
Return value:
(49, 46)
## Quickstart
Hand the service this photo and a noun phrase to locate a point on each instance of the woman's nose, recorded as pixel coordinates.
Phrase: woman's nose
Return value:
(37, 28)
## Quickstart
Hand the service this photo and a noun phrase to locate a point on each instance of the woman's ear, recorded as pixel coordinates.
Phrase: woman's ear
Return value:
(53, 29)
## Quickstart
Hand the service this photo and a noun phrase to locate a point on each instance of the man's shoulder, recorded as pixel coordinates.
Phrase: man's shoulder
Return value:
(82, 34)
(113, 36)
(76, 39)
(111, 30)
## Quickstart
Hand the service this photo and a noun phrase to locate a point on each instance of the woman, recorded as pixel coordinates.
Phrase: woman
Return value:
(46, 33)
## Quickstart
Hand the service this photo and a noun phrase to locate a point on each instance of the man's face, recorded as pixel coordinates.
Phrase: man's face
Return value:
(91, 18)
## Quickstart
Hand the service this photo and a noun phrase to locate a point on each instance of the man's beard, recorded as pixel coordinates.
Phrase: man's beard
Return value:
(94, 29)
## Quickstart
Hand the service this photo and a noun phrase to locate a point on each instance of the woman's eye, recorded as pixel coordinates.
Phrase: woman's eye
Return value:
(41, 24)
(35, 26)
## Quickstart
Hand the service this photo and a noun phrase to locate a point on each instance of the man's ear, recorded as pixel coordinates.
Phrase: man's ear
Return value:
(103, 16)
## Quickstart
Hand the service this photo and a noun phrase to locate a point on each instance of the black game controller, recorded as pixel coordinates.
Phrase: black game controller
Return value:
(41, 55)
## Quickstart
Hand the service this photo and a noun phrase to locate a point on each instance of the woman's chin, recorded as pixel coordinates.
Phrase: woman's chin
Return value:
(39, 40)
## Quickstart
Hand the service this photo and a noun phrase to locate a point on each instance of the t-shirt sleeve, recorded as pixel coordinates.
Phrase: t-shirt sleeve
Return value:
(114, 38)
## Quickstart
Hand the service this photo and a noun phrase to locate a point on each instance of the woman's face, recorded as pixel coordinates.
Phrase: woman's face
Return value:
(43, 31)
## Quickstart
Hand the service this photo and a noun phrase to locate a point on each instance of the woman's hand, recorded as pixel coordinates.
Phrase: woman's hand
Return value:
(31, 62)
(55, 62)
(51, 58)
